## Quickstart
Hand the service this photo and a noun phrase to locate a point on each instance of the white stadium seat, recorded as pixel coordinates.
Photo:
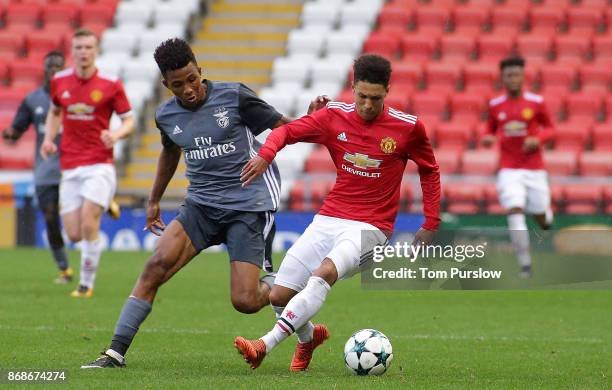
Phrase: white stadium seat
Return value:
(320, 13)
(305, 41)
(114, 40)
(330, 69)
(285, 69)
(141, 68)
(345, 42)
(165, 13)
(283, 101)
(133, 13)
(358, 13)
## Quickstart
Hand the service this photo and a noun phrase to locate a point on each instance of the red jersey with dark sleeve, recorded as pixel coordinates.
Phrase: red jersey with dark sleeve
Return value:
(513, 119)
(370, 158)
(87, 106)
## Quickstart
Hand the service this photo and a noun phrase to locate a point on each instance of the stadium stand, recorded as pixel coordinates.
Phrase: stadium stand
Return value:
(445, 56)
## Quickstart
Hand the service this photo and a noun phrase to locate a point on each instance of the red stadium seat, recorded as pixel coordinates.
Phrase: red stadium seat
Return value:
(584, 19)
(319, 161)
(418, 47)
(4, 72)
(18, 13)
(18, 156)
(595, 75)
(608, 103)
(406, 193)
(448, 161)
(534, 46)
(480, 75)
(555, 104)
(97, 14)
(457, 47)
(442, 76)
(583, 104)
(27, 71)
(560, 163)
(582, 198)
(607, 197)
(572, 47)
(522, 4)
(60, 13)
(11, 42)
(393, 15)
(509, 19)
(493, 48)
(467, 106)
(382, 44)
(602, 137)
(480, 162)
(454, 136)
(602, 47)
(558, 75)
(432, 18)
(41, 42)
(570, 137)
(406, 73)
(463, 198)
(9, 101)
(471, 19)
(492, 200)
(596, 164)
(399, 97)
(546, 20)
(426, 103)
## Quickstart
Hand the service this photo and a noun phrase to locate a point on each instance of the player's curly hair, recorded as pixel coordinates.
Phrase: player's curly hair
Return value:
(173, 54)
(373, 69)
(512, 61)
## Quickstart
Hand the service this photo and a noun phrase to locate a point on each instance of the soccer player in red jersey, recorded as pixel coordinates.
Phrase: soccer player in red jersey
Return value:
(520, 121)
(82, 102)
(370, 144)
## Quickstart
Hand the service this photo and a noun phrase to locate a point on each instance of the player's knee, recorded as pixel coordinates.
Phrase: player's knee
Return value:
(245, 303)
(73, 233)
(278, 297)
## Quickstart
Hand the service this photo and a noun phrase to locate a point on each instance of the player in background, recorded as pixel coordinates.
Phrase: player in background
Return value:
(521, 123)
(82, 102)
(33, 111)
(370, 144)
(213, 125)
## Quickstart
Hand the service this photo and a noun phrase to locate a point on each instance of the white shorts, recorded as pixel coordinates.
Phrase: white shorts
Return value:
(524, 188)
(346, 242)
(96, 183)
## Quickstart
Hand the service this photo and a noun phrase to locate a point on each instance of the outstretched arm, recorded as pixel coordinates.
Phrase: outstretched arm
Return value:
(23, 119)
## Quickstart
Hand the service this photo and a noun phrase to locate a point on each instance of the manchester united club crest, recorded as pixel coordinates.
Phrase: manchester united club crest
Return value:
(388, 145)
(222, 118)
(96, 95)
(527, 114)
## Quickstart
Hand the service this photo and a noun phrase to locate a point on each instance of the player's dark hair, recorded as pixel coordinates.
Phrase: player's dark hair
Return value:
(55, 53)
(373, 69)
(511, 61)
(173, 54)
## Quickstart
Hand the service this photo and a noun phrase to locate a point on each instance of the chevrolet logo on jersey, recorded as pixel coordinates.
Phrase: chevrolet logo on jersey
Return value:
(362, 160)
(80, 108)
(515, 129)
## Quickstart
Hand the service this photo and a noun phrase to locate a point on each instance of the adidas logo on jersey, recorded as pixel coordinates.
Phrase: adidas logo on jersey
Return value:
(66, 95)
(177, 130)
(342, 137)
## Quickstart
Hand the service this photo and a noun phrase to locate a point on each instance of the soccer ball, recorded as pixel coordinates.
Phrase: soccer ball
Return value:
(368, 352)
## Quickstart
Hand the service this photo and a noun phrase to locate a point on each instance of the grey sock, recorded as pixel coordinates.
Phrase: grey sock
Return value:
(268, 279)
(134, 312)
(59, 255)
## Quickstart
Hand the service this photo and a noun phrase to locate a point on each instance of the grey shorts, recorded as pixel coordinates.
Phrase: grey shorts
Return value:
(246, 234)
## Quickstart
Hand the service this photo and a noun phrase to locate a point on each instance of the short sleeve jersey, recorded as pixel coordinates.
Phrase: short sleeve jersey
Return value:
(87, 106)
(217, 139)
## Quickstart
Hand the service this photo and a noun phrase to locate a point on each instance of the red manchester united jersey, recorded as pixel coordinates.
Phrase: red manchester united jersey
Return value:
(513, 119)
(370, 158)
(87, 106)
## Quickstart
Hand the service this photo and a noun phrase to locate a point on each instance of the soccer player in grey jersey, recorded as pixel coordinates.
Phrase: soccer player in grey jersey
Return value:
(213, 125)
(33, 111)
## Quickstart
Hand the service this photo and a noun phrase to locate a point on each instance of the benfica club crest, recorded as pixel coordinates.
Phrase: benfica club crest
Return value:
(388, 145)
(222, 118)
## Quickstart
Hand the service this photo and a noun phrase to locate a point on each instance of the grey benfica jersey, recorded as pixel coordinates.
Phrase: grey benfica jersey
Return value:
(33, 111)
(217, 140)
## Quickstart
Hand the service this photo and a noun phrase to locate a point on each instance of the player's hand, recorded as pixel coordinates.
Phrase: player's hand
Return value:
(108, 138)
(423, 237)
(9, 136)
(47, 148)
(487, 141)
(252, 170)
(531, 144)
(154, 222)
(318, 103)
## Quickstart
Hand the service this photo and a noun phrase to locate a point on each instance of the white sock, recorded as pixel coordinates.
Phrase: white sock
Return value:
(549, 216)
(304, 333)
(519, 235)
(300, 309)
(90, 258)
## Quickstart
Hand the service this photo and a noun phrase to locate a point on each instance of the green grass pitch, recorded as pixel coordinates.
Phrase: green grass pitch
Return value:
(441, 339)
